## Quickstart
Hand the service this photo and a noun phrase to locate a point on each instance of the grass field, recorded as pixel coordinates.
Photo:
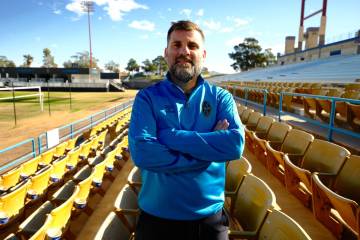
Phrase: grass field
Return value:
(31, 122)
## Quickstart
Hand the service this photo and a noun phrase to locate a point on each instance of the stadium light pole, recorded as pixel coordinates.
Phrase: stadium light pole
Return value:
(88, 6)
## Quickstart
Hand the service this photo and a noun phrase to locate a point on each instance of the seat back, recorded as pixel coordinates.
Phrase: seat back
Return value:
(41, 233)
(12, 203)
(296, 142)
(47, 156)
(60, 149)
(245, 115)
(10, 178)
(40, 181)
(73, 157)
(84, 189)
(241, 108)
(280, 226)
(99, 170)
(252, 201)
(325, 157)
(126, 203)
(61, 214)
(253, 118)
(59, 168)
(278, 132)
(264, 124)
(112, 228)
(235, 171)
(347, 181)
(30, 167)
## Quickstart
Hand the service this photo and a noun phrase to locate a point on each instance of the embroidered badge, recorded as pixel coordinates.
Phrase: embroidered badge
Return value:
(206, 108)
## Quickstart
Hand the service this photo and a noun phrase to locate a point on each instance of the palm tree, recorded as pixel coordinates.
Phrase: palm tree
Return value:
(28, 59)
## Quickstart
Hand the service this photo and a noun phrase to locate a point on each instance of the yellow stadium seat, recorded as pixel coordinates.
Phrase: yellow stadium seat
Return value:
(336, 198)
(33, 223)
(60, 150)
(240, 109)
(39, 183)
(280, 226)
(59, 169)
(254, 199)
(275, 136)
(260, 130)
(73, 159)
(12, 204)
(126, 207)
(61, 216)
(41, 234)
(47, 157)
(245, 115)
(80, 200)
(295, 145)
(134, 179)
(353, 117)
(29, 167)
(321, 156)
(9, 179)
(113, 228)
(99, 171)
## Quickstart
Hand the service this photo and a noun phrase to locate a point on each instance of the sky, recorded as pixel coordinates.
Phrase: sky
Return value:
(124, 29)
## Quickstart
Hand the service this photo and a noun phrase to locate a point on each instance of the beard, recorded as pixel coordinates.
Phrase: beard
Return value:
(185, 72)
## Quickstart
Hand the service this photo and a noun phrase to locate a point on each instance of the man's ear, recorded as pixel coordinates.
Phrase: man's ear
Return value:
(165, 53)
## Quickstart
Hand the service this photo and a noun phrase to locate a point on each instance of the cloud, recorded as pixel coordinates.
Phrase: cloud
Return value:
(114, 8)
(234, 41)
(57, 12)
(200, 13)
(142, 25)
(240, 22)
(212, 25)
(186, 12)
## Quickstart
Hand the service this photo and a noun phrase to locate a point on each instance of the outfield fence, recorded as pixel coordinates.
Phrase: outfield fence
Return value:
(14, 155)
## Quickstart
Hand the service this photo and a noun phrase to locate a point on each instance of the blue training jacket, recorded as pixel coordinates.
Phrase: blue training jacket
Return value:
(182, 159)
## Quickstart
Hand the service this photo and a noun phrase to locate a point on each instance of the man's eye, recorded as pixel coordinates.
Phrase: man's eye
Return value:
(193, 46)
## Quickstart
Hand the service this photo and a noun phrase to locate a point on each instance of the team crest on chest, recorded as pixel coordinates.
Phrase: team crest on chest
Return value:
(206, 108)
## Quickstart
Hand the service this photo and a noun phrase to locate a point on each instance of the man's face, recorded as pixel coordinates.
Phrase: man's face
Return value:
(185, 54)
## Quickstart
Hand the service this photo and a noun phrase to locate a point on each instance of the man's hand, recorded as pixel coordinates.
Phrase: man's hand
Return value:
(222, 125)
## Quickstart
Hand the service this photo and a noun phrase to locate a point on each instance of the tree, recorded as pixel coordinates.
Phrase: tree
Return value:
(81, 60)
(148, 66)
(28, 59)
(161, 65)
(4, 62)
(48, 59)
(270, 57)
(112, 66)
(248, 55)
(132, 65)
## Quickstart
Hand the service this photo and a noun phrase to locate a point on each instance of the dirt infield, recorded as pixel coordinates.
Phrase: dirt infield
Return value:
(34, 124)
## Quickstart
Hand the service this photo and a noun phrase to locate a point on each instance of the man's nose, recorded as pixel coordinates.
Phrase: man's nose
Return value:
(185, 50)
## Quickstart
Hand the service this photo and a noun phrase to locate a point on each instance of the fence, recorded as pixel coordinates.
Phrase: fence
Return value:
(23, 151)
(330, 126)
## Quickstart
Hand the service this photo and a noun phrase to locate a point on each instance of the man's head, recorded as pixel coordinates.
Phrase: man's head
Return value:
(185, 51)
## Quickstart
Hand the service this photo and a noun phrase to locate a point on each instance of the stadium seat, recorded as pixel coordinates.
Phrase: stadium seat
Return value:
(113, 228)
(353, 117)
(73, 159)
(321, 156)
(336, 198)
(9, 179)
(46, 157)
(33, 223)
(59, 170)
(41, 234)
(12, 204)
(253, 120)
(295, 145)
(279, 226)
(254, 198)
(97, 180)
(261, 130)
(61, 216)
(134, 179)
(275, 136)
(39, 183)
(310, 106)
(29, 167)
(126, 207)
(60, 150)
(240, 109)
(245, 115)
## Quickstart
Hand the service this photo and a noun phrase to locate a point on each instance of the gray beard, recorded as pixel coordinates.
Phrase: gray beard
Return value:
(184, 75)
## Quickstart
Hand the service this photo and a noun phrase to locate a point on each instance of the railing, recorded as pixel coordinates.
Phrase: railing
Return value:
(330, 126)
(18, 153)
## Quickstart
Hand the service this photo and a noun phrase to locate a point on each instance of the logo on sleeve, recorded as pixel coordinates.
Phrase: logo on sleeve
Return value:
(206, 108)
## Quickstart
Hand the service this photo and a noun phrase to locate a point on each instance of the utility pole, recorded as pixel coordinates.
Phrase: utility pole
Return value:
(88, 6)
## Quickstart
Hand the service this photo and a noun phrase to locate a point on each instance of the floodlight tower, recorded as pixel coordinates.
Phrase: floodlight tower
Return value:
(88, 6)
(322, 23)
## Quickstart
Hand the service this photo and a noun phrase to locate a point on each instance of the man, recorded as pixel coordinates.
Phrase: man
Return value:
(182, 131)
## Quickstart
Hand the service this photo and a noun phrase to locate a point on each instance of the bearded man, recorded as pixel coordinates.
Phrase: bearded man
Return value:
(182, 132)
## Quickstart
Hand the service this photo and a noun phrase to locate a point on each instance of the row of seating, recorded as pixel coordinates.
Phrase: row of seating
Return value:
(300, 161)
(72, 197)
(346, 114)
